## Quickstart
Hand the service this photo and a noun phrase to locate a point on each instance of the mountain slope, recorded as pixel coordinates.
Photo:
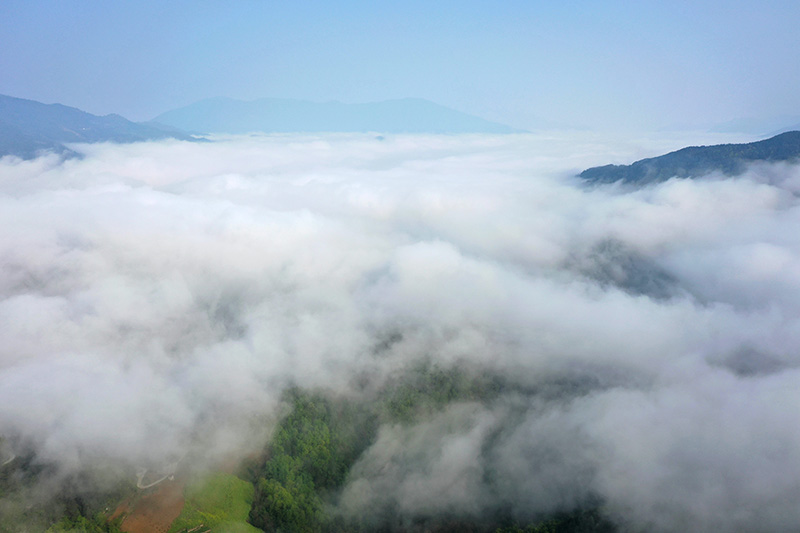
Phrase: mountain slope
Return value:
(695, 161)
(409, 115)
(27, 127)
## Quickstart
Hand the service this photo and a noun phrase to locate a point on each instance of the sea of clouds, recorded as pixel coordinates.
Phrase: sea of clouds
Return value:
(159, 296)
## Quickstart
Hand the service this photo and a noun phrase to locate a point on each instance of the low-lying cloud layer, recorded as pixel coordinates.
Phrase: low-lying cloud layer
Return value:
(158, 296)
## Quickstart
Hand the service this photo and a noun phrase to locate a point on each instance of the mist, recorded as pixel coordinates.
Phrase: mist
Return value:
(161, 297)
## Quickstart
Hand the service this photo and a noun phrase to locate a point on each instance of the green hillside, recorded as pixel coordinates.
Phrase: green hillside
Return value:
(696, 161)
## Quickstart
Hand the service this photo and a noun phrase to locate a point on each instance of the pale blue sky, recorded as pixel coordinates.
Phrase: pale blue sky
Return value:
(608, 64)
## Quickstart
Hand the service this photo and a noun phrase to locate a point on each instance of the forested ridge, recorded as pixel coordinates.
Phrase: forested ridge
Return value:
(295, 486)
(696, 161)
(321, 437)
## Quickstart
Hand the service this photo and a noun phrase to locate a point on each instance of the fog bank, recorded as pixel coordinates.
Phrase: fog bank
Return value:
(156, 297)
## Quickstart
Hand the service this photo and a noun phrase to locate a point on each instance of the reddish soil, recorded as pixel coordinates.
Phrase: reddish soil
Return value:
(155, 510)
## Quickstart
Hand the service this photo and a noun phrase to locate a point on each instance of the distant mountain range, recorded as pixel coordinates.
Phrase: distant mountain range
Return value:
(696, 161)
(759, 126)
(28, 128)
(408, 115)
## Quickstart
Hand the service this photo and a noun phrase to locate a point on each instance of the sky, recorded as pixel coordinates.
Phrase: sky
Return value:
(599, 64)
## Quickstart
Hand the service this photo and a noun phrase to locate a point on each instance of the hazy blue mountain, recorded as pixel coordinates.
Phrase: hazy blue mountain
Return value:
(759, 126)
(27, 127)
(695, 161)
(793, 127)
(409, 115)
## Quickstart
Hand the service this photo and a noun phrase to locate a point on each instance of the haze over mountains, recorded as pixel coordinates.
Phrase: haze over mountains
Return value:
(28, 127)
(763, 126)
(407, 115)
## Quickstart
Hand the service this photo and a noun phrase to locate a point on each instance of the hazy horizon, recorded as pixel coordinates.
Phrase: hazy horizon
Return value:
(601, 65)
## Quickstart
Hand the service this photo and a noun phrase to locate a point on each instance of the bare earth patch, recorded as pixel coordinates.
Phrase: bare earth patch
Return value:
(155, 511)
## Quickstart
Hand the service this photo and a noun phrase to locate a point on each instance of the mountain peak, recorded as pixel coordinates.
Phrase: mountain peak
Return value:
(405, 115)
(28, 127)
(697, 161)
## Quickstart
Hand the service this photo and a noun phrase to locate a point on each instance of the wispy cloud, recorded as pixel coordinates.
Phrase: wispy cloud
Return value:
(155, 292)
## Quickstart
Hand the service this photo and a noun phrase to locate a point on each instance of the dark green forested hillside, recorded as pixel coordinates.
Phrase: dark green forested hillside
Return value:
(696, 161)
(315, 445)
(297, 484)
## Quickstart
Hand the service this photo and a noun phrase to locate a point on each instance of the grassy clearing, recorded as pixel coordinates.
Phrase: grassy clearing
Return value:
(218, 502)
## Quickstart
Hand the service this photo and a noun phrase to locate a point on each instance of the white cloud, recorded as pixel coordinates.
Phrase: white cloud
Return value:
(157, 290)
